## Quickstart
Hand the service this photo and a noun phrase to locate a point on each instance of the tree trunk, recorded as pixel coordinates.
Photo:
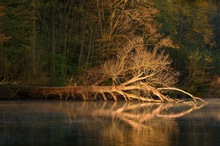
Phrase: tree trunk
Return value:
(100, 17)
(53, 46)
(111, 92)
(63, 69)
(33, 64)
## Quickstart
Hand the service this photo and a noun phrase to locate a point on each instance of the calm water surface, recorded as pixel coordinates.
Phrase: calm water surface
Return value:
(63, 123)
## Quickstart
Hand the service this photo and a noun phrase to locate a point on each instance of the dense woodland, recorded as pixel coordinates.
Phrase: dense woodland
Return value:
(63, 42)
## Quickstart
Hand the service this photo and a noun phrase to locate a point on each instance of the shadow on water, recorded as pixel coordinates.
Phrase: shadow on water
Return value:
(107, 123)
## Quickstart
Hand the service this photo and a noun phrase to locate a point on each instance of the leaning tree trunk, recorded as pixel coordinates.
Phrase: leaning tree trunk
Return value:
(124, 90)
(114, 91)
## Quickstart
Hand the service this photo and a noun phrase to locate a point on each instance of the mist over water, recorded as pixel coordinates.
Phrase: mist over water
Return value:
(108, 123)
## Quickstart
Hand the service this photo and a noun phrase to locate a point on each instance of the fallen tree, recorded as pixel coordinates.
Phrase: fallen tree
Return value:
(135, 73)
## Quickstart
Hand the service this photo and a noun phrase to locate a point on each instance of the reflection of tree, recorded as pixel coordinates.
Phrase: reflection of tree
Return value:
(142, 117)
(118, 123)
(124, 123)
(160, 131)
(137, 115)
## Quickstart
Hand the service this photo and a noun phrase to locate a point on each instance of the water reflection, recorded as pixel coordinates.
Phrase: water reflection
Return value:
(146, 122)
(93, 123)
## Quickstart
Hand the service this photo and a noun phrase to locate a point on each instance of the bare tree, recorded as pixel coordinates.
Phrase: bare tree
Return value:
(134, 73)
(135, 65)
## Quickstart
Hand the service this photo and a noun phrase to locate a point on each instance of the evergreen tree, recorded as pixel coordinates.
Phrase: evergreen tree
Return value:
(189, 24)
(16, 23)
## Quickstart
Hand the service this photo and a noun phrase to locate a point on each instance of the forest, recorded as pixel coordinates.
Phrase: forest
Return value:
(110, 43)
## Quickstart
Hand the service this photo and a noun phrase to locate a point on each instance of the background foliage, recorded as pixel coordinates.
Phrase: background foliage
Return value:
(52, 42)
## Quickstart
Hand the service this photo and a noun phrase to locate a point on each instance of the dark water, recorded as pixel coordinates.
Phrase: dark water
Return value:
(60, 123)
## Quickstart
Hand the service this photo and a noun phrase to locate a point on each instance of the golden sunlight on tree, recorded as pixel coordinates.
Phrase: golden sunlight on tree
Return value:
(127, 20)
(136, 67)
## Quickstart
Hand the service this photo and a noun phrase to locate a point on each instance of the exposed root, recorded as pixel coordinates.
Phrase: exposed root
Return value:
(113, 95)
(104, 96)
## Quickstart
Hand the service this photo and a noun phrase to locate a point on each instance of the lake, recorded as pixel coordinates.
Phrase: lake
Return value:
(99, 123)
